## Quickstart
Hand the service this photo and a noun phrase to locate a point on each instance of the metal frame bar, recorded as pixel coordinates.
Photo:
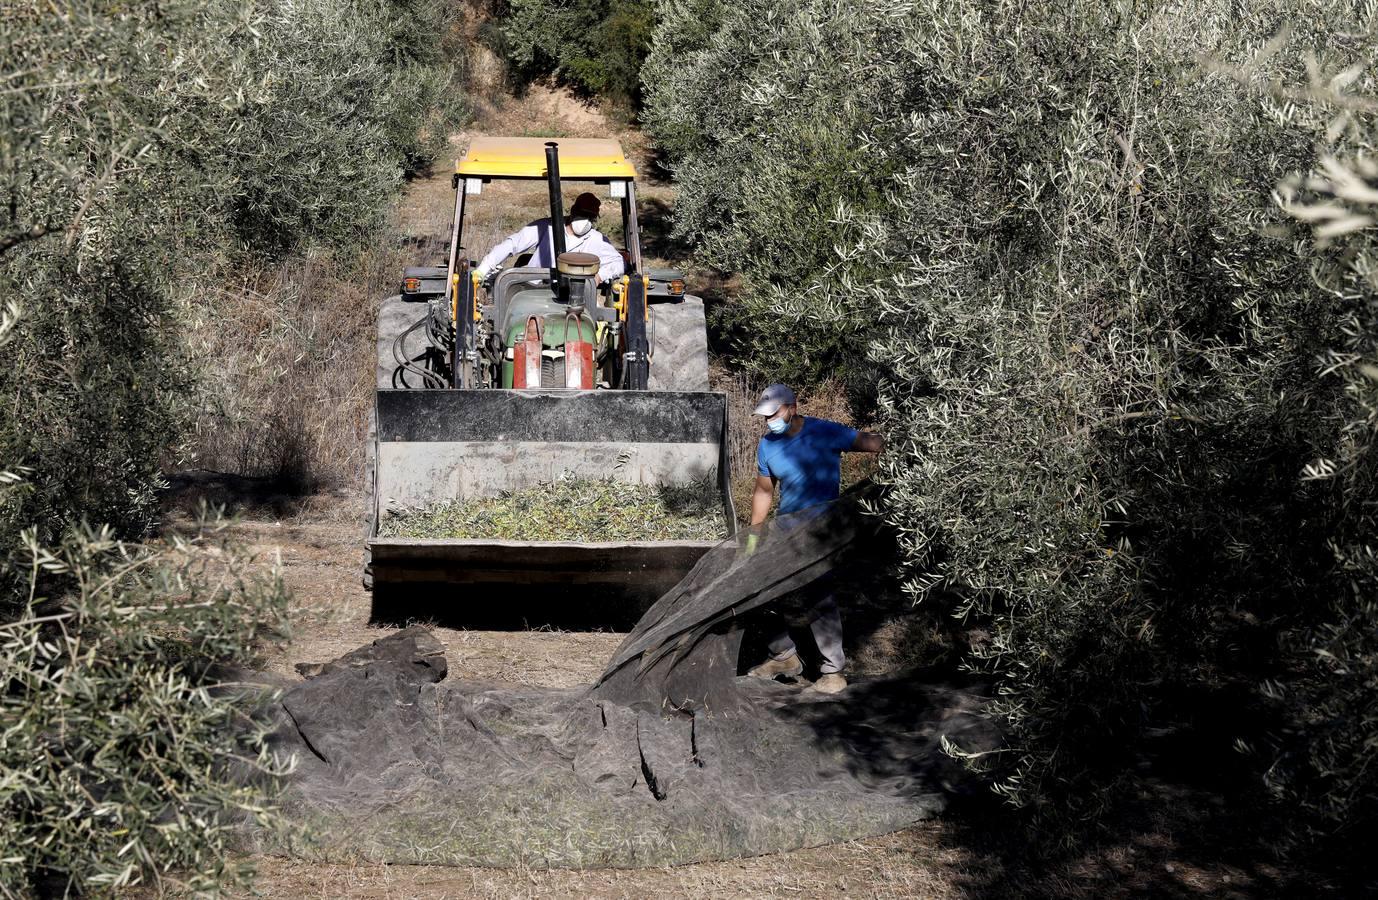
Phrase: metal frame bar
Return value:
(456, 233)
(631, 227)
(725, 473)
(637, 353)
(461, 369)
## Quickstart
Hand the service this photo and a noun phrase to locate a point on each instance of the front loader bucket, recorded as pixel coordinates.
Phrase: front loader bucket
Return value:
(443, 445)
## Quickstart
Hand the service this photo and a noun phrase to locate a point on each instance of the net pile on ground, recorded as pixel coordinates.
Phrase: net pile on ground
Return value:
(572, 509)
(669, 758)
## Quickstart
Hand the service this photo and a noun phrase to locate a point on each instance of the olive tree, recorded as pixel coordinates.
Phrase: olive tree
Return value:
(1045, 244)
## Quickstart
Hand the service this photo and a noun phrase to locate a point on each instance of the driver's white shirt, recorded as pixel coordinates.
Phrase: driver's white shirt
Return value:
(537, 236)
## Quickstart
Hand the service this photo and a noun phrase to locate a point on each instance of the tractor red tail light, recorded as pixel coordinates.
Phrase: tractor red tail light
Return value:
(411, 285)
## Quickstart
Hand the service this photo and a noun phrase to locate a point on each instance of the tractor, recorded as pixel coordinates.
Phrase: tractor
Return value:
(491, 385)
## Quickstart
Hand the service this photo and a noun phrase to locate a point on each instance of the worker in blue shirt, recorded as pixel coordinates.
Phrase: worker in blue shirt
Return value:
(803, 455)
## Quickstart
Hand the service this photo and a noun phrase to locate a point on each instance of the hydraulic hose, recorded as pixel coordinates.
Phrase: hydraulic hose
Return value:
(429, 378)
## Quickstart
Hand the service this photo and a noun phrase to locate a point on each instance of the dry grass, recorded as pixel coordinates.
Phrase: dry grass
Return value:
(744, 432)
(288, 362)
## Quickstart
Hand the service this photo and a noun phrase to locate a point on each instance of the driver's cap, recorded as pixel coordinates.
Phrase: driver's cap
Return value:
(772, 398)
(586, 204)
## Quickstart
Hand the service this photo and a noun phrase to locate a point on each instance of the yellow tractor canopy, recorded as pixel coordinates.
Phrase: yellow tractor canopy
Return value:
(524, 157)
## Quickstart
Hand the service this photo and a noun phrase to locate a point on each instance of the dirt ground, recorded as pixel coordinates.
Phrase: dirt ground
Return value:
(899, 865)
(319, 541)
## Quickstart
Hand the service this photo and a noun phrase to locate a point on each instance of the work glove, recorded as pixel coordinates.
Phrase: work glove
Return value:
(751, 543)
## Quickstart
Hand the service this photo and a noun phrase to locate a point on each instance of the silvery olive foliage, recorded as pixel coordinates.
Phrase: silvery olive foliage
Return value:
(597, 46)
(144, 149)
(1125, 391)
(348, 96)
(128, 752)
(1325, 765)
(758, 108)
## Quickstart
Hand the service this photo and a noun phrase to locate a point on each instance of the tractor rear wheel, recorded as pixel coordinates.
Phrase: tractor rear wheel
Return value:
(395, 316)
(679, 348)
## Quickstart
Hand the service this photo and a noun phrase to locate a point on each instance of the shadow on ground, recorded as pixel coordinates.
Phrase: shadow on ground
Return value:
(190, 491)
(509, 607)
(1186, 818)
(430, 249)
(1168, 840)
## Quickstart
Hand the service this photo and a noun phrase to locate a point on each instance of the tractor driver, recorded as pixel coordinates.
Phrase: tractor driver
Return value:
(580, 235)
(804, 457)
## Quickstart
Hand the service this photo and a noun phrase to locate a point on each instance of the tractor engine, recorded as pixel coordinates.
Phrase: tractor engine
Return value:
(553, 342)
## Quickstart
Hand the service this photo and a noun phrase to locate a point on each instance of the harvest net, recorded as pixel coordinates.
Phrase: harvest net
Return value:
(670, 757)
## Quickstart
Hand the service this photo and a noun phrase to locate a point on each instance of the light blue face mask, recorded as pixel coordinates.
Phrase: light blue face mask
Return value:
(777, 426)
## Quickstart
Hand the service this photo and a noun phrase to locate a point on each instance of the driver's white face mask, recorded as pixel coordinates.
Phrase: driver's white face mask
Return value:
(580, 227)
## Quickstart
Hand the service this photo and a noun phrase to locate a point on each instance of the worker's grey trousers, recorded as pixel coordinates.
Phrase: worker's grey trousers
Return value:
(825, 621)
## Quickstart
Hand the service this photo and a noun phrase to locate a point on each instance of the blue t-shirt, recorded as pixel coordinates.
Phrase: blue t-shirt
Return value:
(807, 465)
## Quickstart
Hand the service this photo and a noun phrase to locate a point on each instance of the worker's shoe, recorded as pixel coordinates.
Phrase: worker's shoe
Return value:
(791, 665)
(830, 684)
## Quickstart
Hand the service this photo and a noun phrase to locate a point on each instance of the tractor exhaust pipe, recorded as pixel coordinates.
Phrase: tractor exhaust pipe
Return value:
(557, 209)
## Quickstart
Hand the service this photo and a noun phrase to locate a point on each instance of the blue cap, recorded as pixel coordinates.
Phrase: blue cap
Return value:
(772, 398)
